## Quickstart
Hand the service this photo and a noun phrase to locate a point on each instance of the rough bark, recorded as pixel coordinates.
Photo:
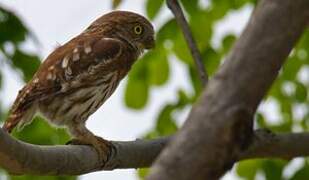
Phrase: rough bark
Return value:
(18, 157)
(219, 126)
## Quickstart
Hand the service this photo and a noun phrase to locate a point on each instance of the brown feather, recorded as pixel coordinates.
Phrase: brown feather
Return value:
(78, 77)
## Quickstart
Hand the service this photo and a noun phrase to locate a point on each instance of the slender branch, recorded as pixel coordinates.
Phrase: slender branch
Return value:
(219, 127)
(266, 144)
(181, 20)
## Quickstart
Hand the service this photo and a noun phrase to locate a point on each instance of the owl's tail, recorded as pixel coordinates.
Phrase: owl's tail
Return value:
(19, 119)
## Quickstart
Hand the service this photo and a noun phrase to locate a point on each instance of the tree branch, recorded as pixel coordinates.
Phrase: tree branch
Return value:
(266, 144)
(181, 20)
(219, 127)
(22, 158)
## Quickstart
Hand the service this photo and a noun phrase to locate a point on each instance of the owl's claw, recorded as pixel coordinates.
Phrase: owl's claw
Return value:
(102, 146)
(104, 149)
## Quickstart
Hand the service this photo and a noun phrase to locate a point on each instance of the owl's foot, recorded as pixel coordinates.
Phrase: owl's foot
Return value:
(102, 146)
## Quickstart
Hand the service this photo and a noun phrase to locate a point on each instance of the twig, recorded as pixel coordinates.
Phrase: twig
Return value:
(174, 6)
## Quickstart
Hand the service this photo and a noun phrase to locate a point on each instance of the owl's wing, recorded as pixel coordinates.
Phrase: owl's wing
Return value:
(66, 69)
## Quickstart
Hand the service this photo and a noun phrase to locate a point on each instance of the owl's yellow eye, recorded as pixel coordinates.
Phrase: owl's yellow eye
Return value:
(138, 29)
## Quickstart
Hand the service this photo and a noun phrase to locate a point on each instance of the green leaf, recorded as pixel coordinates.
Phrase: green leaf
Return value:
(304, 40)
(181, 49)
(301, 174)
(136, 93)
(211, 60)
(157, 67)
(260, 120)
(248, 168)
(142, 173)
(11, 28)
(301, 92)
(167, 31)
(165, 123)
(27, 63)
(273, 169)
(276, 90)
(291, 68)
(190, 6)
(116, 3)
(40, 132)
(228, 41)
(195, 80)
(183, 99)
(153, 7)
(201, 26)
(221, 7)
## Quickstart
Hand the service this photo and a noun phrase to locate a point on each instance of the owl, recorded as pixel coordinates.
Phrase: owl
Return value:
(78, 77)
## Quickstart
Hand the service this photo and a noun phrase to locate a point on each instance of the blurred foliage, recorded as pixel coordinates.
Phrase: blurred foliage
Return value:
(289, 92)
(13, 33)
(116, 3)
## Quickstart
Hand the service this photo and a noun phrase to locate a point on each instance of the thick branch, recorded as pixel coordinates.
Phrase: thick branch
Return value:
(219, 126)
(22, 158)
(181, 20)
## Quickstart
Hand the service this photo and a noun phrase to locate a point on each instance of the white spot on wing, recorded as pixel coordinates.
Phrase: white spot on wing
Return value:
(51, 68)
(75, 54)
(75, 57)
(35, 80)
(87, 49)
(65, 61)
(49, 76)
(106, 38)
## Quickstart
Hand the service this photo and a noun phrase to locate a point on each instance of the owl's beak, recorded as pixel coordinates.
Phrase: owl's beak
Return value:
(150, 42)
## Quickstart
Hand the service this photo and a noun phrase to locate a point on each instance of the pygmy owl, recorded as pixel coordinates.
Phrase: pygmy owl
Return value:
(78, 77)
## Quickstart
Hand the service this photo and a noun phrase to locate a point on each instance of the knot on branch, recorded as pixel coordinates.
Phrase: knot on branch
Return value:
(241, 128)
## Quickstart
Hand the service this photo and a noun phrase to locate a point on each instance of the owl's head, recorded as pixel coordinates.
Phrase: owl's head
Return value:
(130, 27)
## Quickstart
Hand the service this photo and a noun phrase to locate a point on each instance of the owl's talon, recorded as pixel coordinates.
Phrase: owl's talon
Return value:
(104, 149)
(102, 146)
